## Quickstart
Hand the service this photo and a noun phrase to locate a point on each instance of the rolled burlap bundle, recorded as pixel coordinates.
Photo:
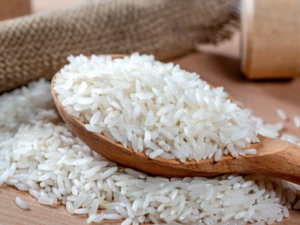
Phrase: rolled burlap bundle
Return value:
(37, 45)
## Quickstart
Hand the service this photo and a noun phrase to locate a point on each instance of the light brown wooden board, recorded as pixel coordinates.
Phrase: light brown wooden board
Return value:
(38, 214)
(220, 69)
(13, 8)
(262, 97)
(42, 5)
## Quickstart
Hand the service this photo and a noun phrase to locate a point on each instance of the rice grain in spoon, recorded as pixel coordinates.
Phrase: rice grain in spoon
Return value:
(271, 154)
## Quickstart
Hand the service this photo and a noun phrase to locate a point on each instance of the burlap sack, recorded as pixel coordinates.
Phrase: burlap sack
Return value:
(37, 45)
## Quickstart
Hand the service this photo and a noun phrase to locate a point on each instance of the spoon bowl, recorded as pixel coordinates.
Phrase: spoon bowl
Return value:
(277, 158)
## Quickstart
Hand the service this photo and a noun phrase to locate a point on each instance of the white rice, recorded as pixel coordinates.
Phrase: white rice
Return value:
(268, 130)
(281, 114)
(290, 138)
(297, 205)
(139, 102)
(53, 164)
(297, 121)
(45, 200)
(21, 203)
(251, 151)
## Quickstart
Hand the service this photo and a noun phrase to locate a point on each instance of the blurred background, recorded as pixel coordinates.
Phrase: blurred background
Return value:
(13, 8)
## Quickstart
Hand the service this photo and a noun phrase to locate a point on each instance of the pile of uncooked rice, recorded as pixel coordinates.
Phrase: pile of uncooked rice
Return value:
(153, 107)
(40, 155)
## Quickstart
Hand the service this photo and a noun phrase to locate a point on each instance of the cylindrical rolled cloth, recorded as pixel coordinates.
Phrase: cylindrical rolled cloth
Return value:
(37, 45)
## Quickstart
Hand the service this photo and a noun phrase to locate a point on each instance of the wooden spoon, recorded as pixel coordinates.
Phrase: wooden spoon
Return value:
(276, 158)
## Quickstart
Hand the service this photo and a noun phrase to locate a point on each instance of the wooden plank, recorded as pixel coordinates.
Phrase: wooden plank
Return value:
(220, 70)
(38, 214)
(42, 5)
(262, 97)
(14, 8)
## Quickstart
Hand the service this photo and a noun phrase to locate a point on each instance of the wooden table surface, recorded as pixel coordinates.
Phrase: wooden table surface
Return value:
(262, 97)
(221, 67)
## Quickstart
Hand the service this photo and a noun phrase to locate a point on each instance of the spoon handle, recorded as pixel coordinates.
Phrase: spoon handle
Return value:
(277, 158)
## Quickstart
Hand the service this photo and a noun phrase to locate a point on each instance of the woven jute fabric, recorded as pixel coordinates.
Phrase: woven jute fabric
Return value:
(36, 46)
